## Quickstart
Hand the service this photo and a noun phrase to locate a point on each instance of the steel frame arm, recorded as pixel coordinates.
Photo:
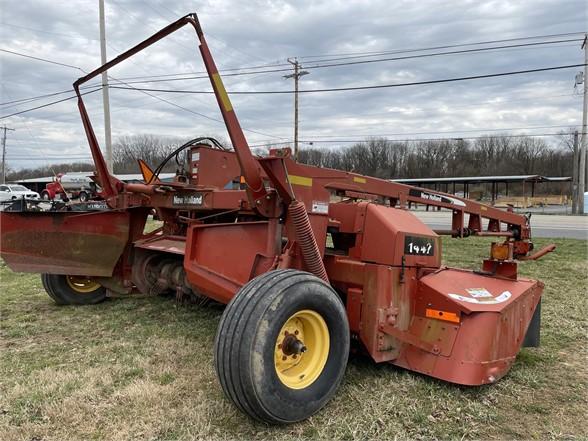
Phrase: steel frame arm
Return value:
(111, 186)
(404, 194)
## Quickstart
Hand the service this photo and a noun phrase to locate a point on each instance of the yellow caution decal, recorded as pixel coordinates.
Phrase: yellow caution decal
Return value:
(300, 180)
(359, 180)
(219, 86)
(147, 173)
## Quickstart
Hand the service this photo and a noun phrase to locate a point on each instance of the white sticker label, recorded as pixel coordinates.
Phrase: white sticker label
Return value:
(485, 300)
(320, 207)
(195, 156)
(478, 292)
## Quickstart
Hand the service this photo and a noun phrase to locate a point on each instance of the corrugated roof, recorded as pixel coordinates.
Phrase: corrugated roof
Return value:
(469, 179)
(558, 178)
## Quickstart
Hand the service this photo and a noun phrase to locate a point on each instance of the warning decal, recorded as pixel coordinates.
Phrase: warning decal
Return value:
(483, 300)
(478, 292)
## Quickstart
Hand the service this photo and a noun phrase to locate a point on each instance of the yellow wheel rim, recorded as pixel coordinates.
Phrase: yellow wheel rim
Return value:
(82, 285)
(301, 349)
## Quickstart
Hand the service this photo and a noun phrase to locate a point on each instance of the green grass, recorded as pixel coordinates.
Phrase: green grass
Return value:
(142, 368)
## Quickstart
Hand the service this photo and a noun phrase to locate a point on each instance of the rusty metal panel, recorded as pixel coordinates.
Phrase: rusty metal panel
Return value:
(220, 258)
(353, 306)
(471, 292)
(72, 243)
(166, 244)
(391, 234)
(483, 346)
(441, 335)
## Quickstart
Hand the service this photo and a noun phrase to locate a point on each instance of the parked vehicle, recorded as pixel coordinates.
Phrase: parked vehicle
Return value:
(10, 192)
(69, 186)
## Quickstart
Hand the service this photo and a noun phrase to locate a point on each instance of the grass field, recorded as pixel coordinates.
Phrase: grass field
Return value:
(142, 368)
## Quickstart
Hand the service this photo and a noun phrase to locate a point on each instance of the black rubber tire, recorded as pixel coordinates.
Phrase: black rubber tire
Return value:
(83, 196)
(246, 338)
(58, 289)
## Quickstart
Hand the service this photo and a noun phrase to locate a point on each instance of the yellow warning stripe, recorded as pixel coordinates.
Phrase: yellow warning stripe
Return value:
(300, 180)
(219, 86)
(360, 180)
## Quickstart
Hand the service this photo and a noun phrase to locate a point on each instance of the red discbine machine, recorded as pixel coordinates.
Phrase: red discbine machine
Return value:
(308, 260)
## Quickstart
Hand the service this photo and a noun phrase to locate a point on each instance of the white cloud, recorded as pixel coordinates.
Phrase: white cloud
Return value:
(259, 32)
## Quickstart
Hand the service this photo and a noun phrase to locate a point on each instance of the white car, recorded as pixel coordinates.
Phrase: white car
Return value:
(10, 192)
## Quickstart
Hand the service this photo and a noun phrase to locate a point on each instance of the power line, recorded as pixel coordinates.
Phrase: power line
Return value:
(456, 138)
(98, 87)
(41, 59)
(319, 66)
(222, 71)
(448, 46)
(34, 98)
(48, 104)
(343, 141)
(200, 114)
(372, 54)
(50, 33)
(340, 89)
(446, 131)
(436, 54)
(272, 70)
(185, 108)
(380, 86)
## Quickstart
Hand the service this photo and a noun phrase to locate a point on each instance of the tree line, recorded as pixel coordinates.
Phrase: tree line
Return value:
(484, 156)
(379, 157)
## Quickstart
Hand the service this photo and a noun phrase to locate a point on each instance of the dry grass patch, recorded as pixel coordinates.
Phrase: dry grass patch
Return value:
(141, 368)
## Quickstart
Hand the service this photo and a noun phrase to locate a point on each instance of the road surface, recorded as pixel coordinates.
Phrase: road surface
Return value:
(542, 225)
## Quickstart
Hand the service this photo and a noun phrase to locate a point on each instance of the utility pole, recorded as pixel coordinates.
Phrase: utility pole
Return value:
(575, 192)
(105, 97)
(296, 75)
(4, 128)
(582, 171)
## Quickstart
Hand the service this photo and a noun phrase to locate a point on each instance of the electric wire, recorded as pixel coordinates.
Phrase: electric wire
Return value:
(141, 80)
(198, 77)
(447, 46)
(49, 104)
(277, 70)
(372, 54)
(378, 86)
(436, 54)
(314, 141)
(40, 59)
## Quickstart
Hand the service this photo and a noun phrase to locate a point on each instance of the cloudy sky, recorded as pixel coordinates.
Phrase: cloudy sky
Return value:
(246, 35)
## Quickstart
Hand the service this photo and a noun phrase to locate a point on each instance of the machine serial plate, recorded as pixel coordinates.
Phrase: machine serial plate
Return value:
(188, 199)
(419, 245)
